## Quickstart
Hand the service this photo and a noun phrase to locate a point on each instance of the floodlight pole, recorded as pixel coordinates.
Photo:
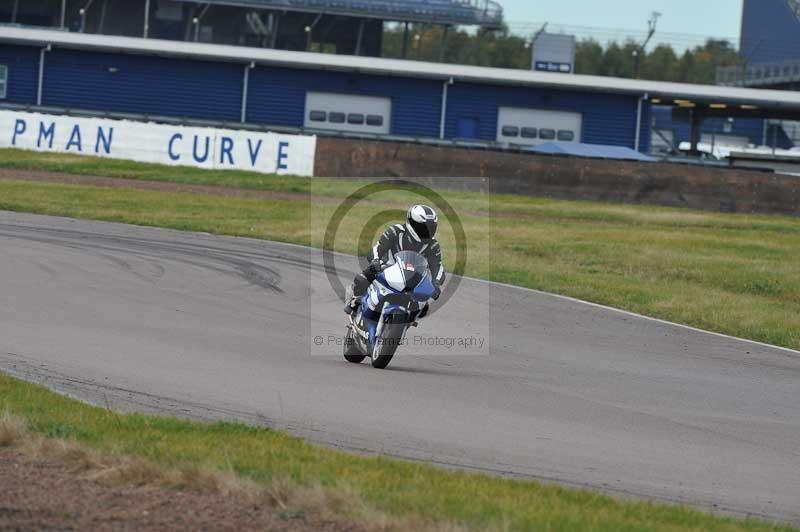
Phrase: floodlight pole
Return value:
(651, 30)
(63, 14)
(14, 10)
(533, 42)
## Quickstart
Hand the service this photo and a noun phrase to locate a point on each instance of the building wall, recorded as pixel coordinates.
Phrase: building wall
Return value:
(188, 88)
(770, 32)
(277, 97)
(607, 118)
(23, 72)
(140, 84)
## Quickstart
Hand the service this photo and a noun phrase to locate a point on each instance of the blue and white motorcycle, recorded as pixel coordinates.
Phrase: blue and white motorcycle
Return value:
(388, 309)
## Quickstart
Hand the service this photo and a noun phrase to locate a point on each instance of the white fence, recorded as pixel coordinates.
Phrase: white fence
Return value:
(210, 148)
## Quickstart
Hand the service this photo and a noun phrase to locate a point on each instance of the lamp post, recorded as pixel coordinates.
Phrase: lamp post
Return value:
(196, 21)
(639, 52)
(83, 11)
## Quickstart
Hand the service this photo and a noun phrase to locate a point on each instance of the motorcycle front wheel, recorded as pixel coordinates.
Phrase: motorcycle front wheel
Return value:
(384, 351)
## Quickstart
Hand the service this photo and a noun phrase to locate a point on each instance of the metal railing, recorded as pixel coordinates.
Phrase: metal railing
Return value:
(467, 12)
(760, 74)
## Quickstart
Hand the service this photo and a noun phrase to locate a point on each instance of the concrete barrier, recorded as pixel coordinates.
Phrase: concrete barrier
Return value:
(148, 142)
(674, 185)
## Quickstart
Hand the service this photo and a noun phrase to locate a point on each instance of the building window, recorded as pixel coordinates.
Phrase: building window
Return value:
(510, 131)
(336, 118)
(318, 116)
(355, 118)
(374, 120)
(529, 132)
(3, 81)
(547, 134)
(566, 136)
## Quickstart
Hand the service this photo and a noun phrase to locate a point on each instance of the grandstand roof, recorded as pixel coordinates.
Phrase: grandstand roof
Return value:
(765, 100)
(462, 12)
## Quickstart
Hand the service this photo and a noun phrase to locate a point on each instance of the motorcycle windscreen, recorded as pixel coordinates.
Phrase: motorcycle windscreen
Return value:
(414, 268)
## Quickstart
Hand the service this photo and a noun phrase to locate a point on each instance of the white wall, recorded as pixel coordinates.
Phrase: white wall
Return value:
(347, 105)
(538, 119)
(223, 149)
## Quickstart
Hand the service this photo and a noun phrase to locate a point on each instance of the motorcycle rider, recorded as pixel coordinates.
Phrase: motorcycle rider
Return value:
(417, 234)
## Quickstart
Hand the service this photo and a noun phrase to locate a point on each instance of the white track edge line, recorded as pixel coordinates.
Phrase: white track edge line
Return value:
(635, 315)
(590, 304)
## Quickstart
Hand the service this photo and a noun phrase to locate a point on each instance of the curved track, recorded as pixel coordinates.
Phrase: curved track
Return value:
(215, 327)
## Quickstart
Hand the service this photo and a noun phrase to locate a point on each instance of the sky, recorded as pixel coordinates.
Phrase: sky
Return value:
(680, 22)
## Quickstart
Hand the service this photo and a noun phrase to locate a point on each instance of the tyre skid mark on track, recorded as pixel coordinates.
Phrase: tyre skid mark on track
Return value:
(255, 274)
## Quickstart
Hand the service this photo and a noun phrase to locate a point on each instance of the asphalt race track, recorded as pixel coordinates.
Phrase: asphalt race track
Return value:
(214, 327)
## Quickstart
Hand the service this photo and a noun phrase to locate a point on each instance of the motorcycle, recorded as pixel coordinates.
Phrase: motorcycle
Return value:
(388, 309)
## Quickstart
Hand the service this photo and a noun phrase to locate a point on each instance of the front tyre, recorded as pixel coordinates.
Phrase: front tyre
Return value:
(351, 352)
(387, 345)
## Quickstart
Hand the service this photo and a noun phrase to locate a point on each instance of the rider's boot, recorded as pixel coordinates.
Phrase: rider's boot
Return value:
(351, 302)
(351, 307)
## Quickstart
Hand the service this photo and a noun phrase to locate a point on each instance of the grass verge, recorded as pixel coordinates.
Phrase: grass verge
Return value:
(275, 468)
(729, 273)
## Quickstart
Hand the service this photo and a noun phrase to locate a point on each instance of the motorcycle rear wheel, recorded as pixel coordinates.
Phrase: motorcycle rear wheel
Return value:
(351, 352)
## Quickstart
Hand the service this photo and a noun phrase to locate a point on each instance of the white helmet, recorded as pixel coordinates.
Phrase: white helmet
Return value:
(422, 222)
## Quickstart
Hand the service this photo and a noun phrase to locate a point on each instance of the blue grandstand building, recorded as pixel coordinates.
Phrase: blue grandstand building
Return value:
(262, 87)
(769, 46)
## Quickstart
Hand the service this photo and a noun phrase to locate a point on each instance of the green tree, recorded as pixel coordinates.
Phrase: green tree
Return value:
(588, 57)
(661, 64)
(504, 49)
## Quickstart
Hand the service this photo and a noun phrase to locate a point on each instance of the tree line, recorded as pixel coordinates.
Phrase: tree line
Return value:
(505, 50)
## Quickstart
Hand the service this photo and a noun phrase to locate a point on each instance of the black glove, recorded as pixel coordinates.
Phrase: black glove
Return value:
(375, 267)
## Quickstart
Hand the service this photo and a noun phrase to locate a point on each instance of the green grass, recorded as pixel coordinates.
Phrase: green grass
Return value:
(731, 273)
(397, 488)
(94, 166)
